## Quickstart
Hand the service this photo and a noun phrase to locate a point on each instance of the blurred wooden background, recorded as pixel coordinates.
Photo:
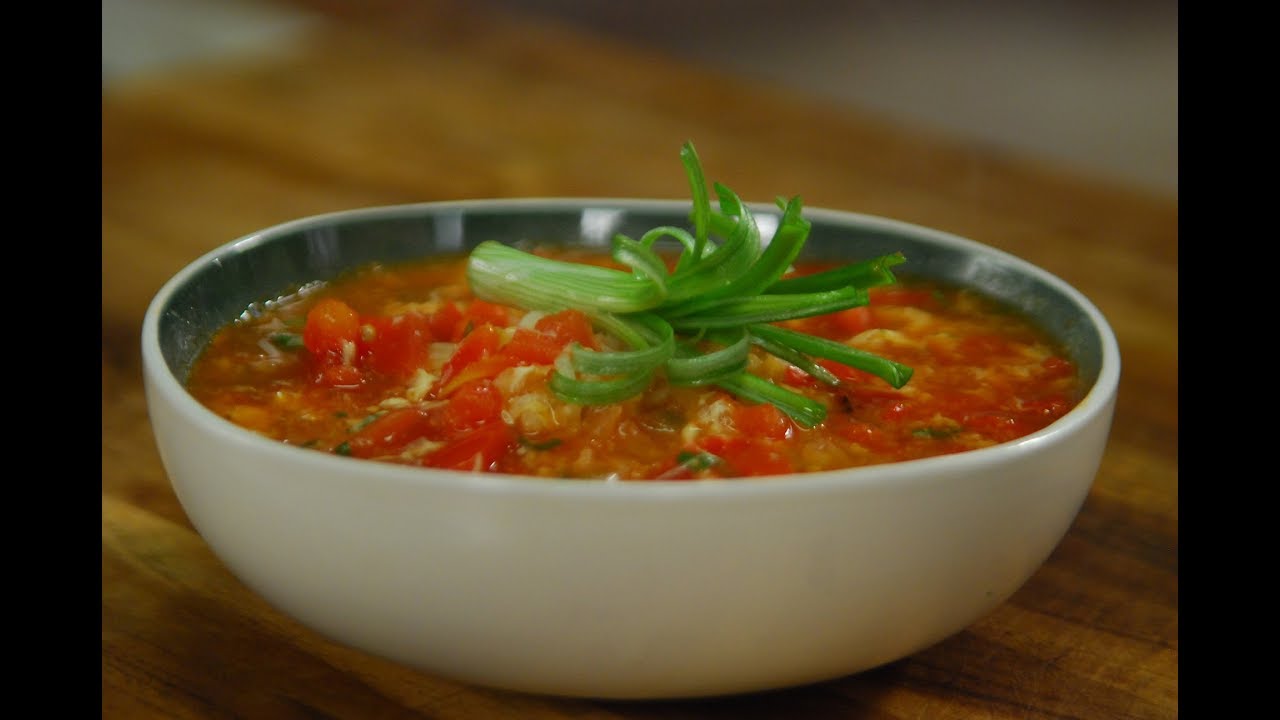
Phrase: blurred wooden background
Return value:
(1092, 85)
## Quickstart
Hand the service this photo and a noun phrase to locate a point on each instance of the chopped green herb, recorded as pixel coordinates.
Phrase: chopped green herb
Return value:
(287, 341)
(343, 448)
(364, 422)
(545, 445)
(689, 463)
(937, 433)
(695, 461)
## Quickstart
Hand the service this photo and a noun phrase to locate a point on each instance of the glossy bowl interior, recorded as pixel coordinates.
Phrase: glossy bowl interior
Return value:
(616, 589)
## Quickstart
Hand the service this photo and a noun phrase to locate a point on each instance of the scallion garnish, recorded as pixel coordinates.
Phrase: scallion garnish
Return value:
(694, 323)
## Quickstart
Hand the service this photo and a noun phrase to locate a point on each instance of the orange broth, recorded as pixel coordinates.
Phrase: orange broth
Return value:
(402, 364)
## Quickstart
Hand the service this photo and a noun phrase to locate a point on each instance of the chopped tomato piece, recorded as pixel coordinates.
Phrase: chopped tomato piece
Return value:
(762, 420)
(761, 459)
(482, 341)
(396, 345)
(531, 347)
(481, 311)
(331, 324)
(568, 326)
(749, 456)
(447, 323)
(477, 449)
(474, 403)
(486, 367)
(854, 320)
(390, 433)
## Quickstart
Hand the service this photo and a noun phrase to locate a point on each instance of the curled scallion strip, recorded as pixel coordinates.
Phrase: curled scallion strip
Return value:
(772, 263)
(504, 274)
(804, 410)
(599, 391)
(796, 358)
(739, 311)
(690, 366)
(866, 274)
(652, 340)
(894, 373)
(695, 322)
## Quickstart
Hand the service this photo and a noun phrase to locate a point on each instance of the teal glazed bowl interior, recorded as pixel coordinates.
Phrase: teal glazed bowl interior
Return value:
(617, 589)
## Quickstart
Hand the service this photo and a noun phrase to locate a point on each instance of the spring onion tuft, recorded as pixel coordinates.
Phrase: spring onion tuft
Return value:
(696, 321)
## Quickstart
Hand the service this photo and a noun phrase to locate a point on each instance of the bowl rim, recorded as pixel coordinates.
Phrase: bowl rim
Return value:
(161, 379)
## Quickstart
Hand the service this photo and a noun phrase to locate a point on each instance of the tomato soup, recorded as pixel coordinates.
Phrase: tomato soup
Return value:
(404, 364)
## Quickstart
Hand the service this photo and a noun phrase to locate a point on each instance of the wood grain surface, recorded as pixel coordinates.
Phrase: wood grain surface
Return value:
(406, 102)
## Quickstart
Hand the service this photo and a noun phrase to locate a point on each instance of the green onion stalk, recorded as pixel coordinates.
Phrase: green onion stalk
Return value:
(695, 322)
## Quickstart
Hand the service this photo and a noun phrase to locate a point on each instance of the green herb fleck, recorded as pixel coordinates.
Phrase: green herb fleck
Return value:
(287, 341)
(936, 433)
(695, 461)
(365, 421)
(544, 445)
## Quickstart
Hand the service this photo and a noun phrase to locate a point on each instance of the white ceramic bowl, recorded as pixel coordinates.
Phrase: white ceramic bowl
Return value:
(618, 590)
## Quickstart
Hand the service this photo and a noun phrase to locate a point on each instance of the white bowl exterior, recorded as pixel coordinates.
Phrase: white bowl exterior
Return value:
(771, 586)
(689, 589)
